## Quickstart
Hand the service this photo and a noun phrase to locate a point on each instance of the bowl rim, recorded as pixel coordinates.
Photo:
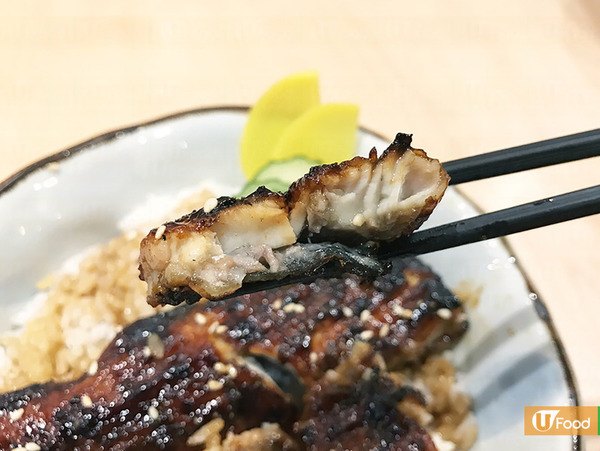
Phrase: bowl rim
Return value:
(540, 307)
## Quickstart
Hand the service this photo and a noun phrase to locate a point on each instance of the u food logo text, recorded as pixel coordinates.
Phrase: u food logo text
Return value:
(561, 420)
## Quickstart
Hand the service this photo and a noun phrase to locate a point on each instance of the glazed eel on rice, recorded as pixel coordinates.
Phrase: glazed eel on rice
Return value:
(332, 364)
(317, 224)
(199, 377)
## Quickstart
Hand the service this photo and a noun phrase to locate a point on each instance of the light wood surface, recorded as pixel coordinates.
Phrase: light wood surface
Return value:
(464, 77)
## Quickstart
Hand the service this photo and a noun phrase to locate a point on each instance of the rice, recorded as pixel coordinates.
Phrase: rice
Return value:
(448, 409)
(80, 317)
(83, 311)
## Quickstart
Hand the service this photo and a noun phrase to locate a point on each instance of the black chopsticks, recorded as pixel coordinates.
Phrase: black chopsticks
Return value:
(565, 207)
(521, 158)
(553, 210)
(533, 215)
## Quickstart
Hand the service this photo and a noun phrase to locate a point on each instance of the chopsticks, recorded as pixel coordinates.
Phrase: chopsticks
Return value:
(533, 215)
(521, 158)
(553, 210)
(540, 213)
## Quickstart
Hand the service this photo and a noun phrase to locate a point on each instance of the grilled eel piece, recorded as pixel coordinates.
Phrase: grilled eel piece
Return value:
(362, 415)
(164, 377)
(360, 405)
(157, 383)
(404, 314)
(315, 226)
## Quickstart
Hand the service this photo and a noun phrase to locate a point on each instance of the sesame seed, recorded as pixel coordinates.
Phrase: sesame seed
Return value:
(401, 311)
(412, 279)
(380, 361)
(153, 412)
(160, 232)
(366, 375)
(214, 385)
(210, 204)
(313, 356)
(358, 220)
(30, 446)
(384, 331)
(347, 311)
(213, 327)
(200, 318)
(367, 334)
(221, 368)
(16, 414)
(444, 313)
(289, 307)
(293, 307)
(332, 376)
(86, 401)
(93, 369)
(365, 315)
(221, 329)
(204, 434)
(276, 304)
(155, 346)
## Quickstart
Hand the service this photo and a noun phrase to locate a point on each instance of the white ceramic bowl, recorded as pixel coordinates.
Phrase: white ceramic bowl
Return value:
(510, 357)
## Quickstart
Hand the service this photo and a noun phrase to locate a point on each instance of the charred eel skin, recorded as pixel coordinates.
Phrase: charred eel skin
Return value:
(164, 377)
(160, 380)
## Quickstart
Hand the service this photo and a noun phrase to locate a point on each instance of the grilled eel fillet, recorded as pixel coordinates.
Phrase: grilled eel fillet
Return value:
(164, 377)
(359, 409)
(212, 251)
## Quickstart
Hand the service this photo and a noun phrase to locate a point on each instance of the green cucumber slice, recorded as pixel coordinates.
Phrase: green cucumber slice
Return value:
(273, 185)
(286, 170)
(279, 175)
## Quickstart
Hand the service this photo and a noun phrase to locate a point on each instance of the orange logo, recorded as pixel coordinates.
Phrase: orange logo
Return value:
(561, 420)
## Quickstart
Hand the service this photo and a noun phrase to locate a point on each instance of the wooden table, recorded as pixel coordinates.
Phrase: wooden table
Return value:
(463, 77)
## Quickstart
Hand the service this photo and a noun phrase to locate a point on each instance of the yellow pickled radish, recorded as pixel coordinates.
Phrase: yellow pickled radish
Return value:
(279, 107)
(325, 133)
